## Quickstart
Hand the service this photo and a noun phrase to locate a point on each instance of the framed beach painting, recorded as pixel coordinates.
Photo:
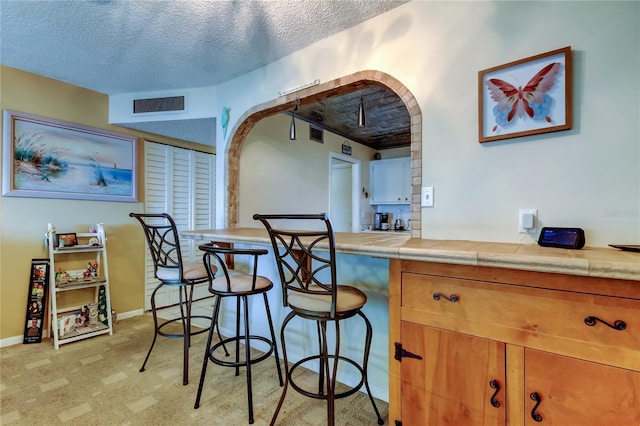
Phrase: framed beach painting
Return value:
(45, 158)
(525, 97)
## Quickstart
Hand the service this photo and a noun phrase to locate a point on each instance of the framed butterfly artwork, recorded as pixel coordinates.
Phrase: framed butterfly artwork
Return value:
(525, 97)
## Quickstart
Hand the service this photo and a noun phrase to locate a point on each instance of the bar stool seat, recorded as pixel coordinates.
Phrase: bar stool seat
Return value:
(240, 286)
(191, 271)
(347, 299)
(241, 283)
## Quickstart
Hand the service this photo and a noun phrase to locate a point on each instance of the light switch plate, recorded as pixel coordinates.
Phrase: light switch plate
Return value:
(427, 196)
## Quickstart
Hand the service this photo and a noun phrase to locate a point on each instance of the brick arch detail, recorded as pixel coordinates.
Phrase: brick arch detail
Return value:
(316, 93)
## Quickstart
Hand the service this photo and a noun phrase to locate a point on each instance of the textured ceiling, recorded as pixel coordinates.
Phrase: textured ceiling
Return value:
(125, 46)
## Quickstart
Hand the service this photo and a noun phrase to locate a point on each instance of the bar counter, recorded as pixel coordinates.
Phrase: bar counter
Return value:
(604, 262)
(373, 262)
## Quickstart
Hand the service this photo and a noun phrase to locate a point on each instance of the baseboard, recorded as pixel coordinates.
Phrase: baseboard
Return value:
(16, 340)
(10, 341)
(130, 314)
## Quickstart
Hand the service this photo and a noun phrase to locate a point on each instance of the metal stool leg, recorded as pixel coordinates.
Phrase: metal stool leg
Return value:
(155, 325)
(186, 332)
(273, 337)
(331, 380)
(365, 363)
(238, 335)
(214, 317)
(321, 372)
(247, 355)
(286, 368)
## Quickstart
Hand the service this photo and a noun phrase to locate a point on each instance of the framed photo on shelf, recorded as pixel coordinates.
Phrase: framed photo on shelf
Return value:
(36, 300)
(66, 240)
(46, 158)
(67, 323)
(526, 97)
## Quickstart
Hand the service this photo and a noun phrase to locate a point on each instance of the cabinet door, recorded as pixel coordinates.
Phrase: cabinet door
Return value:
(574, 392)
(452, 383)
(387, 182)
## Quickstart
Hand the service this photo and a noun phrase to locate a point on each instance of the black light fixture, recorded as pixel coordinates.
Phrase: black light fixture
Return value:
(292, 126)
(362, 121)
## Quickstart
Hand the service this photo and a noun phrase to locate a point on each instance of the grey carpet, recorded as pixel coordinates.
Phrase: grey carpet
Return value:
(96, 382)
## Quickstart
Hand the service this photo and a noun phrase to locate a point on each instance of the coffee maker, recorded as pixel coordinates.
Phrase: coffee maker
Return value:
(381, 221)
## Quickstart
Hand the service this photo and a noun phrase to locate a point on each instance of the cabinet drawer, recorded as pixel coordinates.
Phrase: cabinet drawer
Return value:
(550, 320)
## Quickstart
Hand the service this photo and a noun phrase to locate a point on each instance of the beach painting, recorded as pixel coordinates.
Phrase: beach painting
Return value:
(45, 158)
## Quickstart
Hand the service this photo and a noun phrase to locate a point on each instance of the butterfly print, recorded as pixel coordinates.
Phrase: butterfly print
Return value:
(530, 101)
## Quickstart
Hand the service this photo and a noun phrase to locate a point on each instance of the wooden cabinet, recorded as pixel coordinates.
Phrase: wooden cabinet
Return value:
(561, 349)
(391, 181)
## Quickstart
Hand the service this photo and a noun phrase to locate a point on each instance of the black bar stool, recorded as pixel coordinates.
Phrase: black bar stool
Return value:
(162, 238)
(241, 286)
(307, 267)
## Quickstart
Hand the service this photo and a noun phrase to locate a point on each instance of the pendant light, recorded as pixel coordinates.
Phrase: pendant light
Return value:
(292, 126)
(362, 121)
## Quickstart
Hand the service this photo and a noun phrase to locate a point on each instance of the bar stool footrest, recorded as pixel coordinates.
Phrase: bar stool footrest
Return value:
(241, 362)
(318, 395)
(180, 335)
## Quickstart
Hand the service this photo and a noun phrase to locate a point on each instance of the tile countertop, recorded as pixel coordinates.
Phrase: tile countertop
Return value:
(603, 262)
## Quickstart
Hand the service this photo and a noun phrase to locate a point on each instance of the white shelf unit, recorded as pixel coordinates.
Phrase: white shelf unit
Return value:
(60, 258)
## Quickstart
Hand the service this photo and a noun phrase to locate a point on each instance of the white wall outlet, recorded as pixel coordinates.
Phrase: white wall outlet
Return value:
(527, 220)
(427, 196)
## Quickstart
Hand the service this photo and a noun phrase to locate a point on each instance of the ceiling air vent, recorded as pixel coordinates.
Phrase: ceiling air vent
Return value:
(173, 103)
(316, 134)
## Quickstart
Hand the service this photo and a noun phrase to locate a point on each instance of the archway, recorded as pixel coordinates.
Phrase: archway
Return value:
(336, 87)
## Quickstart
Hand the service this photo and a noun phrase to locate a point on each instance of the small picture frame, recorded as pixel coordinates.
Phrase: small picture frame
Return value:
(346, 148)
(66, 240)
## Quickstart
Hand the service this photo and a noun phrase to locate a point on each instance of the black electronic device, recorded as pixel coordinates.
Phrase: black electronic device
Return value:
(569, 238)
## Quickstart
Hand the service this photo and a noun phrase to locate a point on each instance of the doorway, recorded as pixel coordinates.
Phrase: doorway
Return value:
(347, 84)
(344, 193)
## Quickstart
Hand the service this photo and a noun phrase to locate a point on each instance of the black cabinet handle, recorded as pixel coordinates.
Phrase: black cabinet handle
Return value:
(617, 324)
(453, 298)
(495, 385)
(534, 415)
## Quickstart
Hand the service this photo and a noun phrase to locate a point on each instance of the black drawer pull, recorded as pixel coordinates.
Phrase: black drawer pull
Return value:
(617, 324)
(495, 385)
(536, 416)
(453, 298)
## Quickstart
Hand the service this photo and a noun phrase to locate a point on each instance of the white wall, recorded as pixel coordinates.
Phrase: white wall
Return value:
(588, 176)
(278, 175)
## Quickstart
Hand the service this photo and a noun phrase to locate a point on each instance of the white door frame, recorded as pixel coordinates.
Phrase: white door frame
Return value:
(355, 187)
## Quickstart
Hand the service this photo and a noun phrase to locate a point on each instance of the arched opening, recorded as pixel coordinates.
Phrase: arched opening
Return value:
(336, 87)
